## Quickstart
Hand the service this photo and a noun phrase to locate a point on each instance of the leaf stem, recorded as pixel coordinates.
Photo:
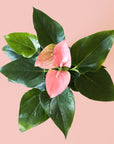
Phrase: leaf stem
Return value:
(38, 52)
(75, 69)
(45, 70)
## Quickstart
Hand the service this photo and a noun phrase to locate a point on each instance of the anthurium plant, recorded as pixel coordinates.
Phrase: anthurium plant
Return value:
(52, 70)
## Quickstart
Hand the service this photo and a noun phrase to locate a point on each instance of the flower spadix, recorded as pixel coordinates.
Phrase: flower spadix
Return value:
(55, 56)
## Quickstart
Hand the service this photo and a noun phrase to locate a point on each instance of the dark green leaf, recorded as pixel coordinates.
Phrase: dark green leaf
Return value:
(11, 53)
(48, 30)
(24, 44)
(41, 86)
(33, 58)
(96, 85)
(89, 53)
(31, 112)
(61, 109)
(74, 76)
(22, 71)
(14, 56)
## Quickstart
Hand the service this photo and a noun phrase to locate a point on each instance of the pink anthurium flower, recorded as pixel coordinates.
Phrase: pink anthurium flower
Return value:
(54, 56)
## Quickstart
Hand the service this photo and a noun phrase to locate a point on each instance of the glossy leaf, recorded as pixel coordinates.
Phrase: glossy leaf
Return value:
(89, 53)
(11, 53)
(14, 56)
(31, 112)
(24, 44)
(48, 30)
(22, 71)
(74, 77)
(96, 85)
(41, 86)
(61, 109)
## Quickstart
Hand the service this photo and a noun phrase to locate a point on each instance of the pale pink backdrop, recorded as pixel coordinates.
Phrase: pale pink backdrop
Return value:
(94, 121)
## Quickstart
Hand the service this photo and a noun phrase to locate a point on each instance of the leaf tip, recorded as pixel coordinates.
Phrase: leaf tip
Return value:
(65, 136)
(22, 128)
(6, 37)
(3, 49)
(0, 69)
(33, 7)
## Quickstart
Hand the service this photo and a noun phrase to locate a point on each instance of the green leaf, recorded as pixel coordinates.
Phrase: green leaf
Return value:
(61, 109)
(48, 30)
(89, 53)
(31, 112)
(22, 71)
(41, 86)
(24, 44)
(74, 76)
(96, 85)
(11, 53)
(14, 56)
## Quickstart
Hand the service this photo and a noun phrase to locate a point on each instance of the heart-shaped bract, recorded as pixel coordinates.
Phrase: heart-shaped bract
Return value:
(53, 56)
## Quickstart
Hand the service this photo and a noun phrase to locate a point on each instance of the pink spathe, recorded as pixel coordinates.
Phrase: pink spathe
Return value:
(53, 56)
(62, 55)
(56, 82)
(45, 59)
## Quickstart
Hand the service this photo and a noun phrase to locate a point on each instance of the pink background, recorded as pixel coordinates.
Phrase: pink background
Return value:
(94, 121)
